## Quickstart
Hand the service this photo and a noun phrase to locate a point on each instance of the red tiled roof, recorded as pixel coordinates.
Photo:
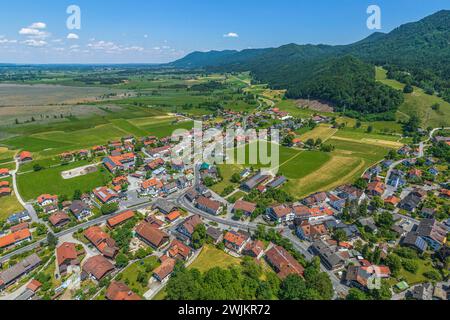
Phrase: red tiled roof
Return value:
(244, 206)
(235, 238)
(151, 234)
(4, 171)
(114, 221)
(179, 249)
(165, 268)
(34, 285)
(118, 291)
(173, 216)
(208, 203)
(58, 217)
(45, 197)
(283, 262)
(14, 237)
(25, 155)
(98, 266)
(66, 251)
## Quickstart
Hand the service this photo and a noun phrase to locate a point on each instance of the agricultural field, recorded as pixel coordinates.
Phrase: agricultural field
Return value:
(323, 132)
(32, 184)
(419, 103)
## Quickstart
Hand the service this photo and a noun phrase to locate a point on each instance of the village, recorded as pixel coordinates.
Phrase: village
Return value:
(386, 232)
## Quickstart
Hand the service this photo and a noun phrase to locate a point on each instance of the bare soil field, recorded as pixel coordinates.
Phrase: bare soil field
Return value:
(78, 172)
(320, 106)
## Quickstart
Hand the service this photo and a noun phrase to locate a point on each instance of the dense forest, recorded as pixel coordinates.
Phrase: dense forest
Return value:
(415, 53)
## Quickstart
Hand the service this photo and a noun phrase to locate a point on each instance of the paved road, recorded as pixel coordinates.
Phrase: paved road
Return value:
(27, 206)
(302, 247)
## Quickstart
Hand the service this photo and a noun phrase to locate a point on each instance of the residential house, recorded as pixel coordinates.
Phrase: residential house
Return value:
(283, 262)
(151, 187)
(59, 219)
(254, 181)
(311, 232)
(210, 206)
(411, 201)
(102, 241)
(235, 241)
(152, 236)
(15, 238)
(362, 277)
(105, 195)
(170, 187)
(67, 257)
(47, 200)
(97, 267)
(280, 213)
(119, 291)
(254, 249)
(163, 272)
(368, 224)
(179, 250)
(173, 216)
(80, 209)
(215, 234)
(316, 199)
(187, 228)
(120, 162)
(376, 188)
(412, 239)
(25, 156)
(119, 181)
(327, 255)
(246, 207)
(18, 218)
(433, 232)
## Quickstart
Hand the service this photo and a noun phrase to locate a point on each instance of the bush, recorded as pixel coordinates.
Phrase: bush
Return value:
(410, 265)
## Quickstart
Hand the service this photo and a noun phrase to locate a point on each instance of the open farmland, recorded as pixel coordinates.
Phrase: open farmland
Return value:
(42, 94)
(33, 184)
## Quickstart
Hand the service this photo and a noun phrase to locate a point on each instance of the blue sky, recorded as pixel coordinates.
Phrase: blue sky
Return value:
(151, 31)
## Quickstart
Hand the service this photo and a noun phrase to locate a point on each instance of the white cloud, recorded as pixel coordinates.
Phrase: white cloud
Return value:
(145, 36)
(73, 36)
(231, 35)
(38, 25)
(4, 40)
(35, 43)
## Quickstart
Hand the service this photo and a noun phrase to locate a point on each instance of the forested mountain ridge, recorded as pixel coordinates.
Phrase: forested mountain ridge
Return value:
(416, 53)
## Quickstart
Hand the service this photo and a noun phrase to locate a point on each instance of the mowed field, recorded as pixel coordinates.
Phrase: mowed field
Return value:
(312, 171)
(33, 184)
(419, 103)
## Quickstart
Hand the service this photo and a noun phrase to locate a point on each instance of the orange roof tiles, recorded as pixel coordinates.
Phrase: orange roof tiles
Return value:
(14, 237)
(114, 221)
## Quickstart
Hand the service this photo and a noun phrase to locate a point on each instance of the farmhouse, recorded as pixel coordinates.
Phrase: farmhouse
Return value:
(254, 181)
(278, 181)
(10, 275)
(118, 291)
(18, 218)
(151, 235)
(102, 241)
(159, 152)
(105, 195)
(15, 238)
(119, 219)
(97, 267)
(283, 262)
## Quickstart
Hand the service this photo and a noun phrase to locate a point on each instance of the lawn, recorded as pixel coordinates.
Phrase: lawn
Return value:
(130, 274)
(8, 206)
(211, 257)
(33, 184)
(418, 277)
